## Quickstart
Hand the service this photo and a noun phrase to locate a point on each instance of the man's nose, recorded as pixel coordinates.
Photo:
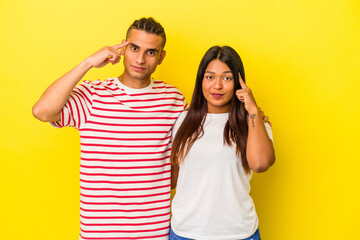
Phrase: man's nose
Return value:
(140, 58)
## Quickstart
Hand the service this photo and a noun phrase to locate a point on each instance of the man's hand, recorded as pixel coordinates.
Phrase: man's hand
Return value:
(106, 55)
(48, 108)
(264, 117)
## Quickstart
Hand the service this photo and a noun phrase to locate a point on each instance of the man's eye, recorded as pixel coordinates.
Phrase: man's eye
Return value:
(134, 48)
(151, 52)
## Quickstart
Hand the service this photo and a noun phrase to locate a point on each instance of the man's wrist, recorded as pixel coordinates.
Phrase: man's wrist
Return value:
(85, 65)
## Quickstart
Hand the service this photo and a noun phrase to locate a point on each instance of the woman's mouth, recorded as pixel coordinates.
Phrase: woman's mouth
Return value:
(217, 95)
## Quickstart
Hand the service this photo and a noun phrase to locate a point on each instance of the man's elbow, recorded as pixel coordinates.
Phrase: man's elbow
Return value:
(40, 114)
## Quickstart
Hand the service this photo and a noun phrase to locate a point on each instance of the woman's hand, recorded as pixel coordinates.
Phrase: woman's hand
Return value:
(245, 96)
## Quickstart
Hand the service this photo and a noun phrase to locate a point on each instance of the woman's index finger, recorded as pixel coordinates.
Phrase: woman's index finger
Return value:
(242, 83)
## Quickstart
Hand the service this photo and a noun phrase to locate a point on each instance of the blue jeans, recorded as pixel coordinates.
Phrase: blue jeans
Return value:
(173, 236)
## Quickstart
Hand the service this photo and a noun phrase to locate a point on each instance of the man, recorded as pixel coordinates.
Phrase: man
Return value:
(125, 128)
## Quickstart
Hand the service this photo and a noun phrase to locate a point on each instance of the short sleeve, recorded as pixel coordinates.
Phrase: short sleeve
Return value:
(185, 105)
(269, 131)
(177, 124)
(77, 109)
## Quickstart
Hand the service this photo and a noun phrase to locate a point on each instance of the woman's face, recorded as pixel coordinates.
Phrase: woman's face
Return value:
(218, 86)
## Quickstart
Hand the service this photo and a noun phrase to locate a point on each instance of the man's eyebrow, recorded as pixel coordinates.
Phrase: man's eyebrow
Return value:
(134, 45)
(150, 49)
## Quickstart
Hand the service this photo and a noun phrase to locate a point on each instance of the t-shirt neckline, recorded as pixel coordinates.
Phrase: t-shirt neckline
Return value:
(134, 90)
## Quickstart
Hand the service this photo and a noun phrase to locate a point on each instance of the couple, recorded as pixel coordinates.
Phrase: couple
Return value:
(127, 125)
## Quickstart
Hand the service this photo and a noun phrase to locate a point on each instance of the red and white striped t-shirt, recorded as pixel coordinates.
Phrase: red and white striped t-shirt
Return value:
(125, 157)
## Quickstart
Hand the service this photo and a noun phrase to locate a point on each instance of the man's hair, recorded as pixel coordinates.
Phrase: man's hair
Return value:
(148, 25)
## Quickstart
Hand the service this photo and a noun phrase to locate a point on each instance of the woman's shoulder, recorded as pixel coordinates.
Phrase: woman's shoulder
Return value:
(181, 118)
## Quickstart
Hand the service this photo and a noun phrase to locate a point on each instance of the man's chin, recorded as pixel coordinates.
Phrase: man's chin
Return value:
(140, 76)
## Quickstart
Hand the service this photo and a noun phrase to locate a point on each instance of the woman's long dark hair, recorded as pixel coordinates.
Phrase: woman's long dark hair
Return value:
(236, 128)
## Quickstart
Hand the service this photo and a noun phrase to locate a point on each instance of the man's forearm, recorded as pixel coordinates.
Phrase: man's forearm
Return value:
(48, 107)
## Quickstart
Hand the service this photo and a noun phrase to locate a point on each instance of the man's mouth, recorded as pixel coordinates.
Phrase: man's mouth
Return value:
(138, 69)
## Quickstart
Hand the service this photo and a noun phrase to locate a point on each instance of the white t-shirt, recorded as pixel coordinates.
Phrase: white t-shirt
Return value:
(212, 198)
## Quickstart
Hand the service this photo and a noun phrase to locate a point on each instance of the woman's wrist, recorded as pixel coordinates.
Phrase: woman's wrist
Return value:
(253, 111)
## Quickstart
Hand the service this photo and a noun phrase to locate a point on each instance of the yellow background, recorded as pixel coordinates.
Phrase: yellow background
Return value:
(302, 63)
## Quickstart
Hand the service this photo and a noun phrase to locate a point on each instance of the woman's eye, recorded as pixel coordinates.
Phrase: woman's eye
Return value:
(228, 78)
(209, 77)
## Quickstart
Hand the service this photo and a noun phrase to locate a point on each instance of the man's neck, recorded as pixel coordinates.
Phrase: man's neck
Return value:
(133, 82)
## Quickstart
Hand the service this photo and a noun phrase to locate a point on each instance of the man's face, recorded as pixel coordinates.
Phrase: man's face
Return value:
(142, 54)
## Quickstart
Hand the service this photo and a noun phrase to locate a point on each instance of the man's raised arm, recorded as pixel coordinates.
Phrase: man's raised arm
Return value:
(48, 108)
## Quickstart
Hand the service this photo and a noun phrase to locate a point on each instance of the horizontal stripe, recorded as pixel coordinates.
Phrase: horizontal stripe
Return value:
(123, 238)
(125, 175)
(132, 167)
(124, 189)
(123, 153)
(124, 132)
(133, 118)
(126, 204)
(126, 182)
(124, 224)
(159, 105)
(167, 87)
(142, 100)
(131, 125)
(108, 95)
(132, 95)
(128, 196)
(124, 160)
(124, 231)
(124, 217)
(134, 111)
(125, 139)
(104, 88)
(122, 210)
(123, 146)
(155, 93)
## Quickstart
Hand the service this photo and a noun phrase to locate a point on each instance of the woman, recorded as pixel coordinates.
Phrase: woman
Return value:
(219, 141)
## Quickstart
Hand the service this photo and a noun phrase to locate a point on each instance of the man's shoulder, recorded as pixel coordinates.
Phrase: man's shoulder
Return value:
(159, 84)
(108, 83)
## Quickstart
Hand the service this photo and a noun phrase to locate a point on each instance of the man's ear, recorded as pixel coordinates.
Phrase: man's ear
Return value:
(162, 55)
(122, 51)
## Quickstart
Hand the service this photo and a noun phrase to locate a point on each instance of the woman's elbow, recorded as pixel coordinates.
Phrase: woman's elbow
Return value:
(263, 164)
